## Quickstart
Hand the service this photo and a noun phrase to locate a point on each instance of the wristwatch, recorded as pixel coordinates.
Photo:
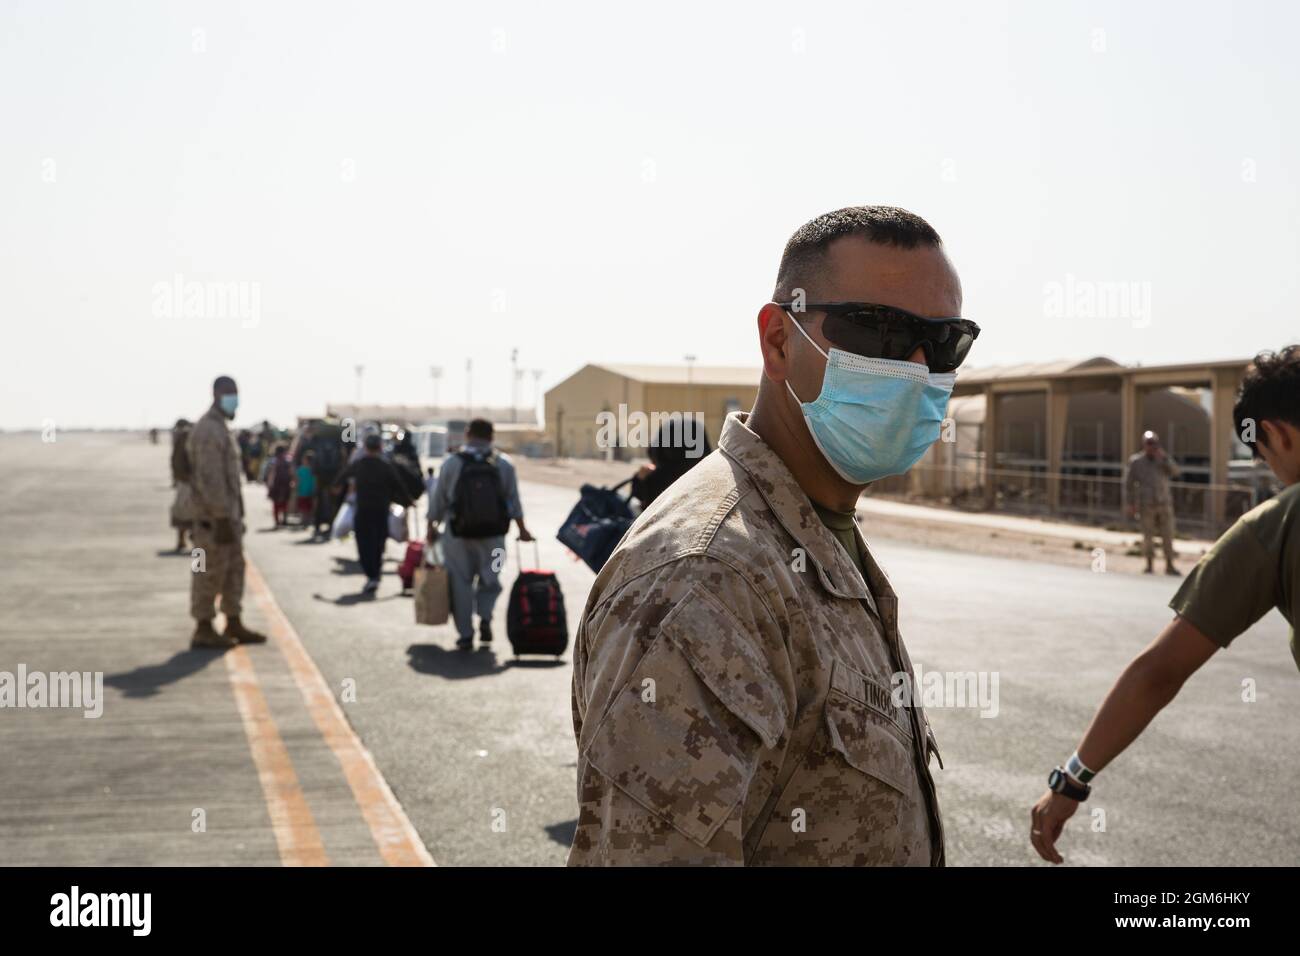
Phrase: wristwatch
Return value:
(1059, 782)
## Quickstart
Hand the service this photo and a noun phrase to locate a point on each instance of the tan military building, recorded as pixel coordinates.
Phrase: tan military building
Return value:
(579, 408)
(1054, 438)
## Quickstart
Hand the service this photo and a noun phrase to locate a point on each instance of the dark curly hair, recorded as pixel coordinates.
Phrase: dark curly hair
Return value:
(1269, 390)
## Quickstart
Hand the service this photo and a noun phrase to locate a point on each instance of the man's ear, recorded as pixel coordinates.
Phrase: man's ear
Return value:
(773, 341)
(1279, 437)
(1269, 435)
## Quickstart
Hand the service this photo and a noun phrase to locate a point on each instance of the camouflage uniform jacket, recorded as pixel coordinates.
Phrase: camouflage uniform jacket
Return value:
(732, 687)
(1147, 481)
(214, 459)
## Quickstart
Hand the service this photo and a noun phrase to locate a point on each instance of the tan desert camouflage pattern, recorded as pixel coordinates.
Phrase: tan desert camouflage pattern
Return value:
(214, 458)
(732, 702)
(1147, 481)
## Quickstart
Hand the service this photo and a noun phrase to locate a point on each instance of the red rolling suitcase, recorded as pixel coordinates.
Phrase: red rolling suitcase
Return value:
(535, 618)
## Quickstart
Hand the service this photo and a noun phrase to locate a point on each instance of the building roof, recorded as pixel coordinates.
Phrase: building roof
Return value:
(991, 373)
(428, 413)
(684, 374)
(1076, 368)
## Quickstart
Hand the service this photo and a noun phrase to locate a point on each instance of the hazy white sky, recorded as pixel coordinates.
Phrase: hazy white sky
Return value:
(405, 185)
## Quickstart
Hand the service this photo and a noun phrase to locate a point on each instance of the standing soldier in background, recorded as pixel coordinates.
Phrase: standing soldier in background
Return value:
(182, 513)
(1147, 488)
(218, 523)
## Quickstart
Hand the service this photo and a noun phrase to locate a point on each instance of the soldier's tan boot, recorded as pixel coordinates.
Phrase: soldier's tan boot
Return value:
(241, 634)
(205, 635)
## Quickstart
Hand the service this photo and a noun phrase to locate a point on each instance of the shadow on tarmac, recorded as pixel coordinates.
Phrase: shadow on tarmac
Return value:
(357, 597)
(562, 833)
(346, 566)
(452, 663)
(148, 681)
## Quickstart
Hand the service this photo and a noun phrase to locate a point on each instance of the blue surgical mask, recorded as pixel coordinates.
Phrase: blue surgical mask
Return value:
(874, 417)
(229, 404)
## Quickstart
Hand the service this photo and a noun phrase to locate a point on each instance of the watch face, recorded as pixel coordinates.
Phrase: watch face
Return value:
(1054, 778)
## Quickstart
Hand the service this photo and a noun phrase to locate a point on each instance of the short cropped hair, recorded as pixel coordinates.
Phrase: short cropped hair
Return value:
(804, 259)
(480, 428)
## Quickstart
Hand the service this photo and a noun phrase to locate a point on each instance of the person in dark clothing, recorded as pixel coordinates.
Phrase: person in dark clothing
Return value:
(679, 446)
(279, 485)
(404, 449)
(377, 486)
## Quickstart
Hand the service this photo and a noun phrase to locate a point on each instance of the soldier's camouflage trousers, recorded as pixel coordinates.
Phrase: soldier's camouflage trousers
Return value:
(1157, 520)
(221, 572)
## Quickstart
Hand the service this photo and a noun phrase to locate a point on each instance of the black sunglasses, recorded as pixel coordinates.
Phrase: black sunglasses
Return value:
(882, 331)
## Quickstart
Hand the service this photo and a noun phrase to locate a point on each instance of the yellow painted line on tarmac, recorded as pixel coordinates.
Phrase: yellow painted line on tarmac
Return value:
(399, 843)
(291, 818)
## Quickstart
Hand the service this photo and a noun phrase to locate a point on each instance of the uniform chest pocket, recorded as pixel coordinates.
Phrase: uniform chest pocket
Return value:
(868, 731)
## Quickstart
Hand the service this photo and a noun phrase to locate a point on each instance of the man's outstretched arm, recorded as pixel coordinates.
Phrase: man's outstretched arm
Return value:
(1149, 683)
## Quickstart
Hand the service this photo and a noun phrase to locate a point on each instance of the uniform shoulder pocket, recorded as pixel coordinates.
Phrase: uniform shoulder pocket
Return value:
(685, 734)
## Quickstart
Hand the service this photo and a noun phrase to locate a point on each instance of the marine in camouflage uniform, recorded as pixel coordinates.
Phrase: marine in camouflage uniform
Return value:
(218, 509)
(1146, 484)
(736, 665)
(732, 687)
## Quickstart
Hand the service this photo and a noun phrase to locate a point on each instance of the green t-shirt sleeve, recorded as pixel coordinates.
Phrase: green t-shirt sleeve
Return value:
(1232, 587)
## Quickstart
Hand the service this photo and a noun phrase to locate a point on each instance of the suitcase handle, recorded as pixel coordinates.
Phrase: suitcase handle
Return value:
(537, 555)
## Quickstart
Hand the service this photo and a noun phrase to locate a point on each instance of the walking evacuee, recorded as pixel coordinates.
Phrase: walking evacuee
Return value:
(676, 449)
(478, 493)
(1253, 568)
(1147, 489)
(279, 484)
(377, 486)
(305, 488)
(218, 523)
(734, 665)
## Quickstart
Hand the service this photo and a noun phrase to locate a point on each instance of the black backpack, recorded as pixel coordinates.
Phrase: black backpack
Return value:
(478, 507)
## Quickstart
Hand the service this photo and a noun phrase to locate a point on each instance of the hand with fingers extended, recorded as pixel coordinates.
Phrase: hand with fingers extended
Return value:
(1047, 820)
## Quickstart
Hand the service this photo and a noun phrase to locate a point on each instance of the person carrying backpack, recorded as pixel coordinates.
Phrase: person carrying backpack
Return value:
(478, 494)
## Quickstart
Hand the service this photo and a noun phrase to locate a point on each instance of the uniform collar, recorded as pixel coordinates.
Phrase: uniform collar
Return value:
(838, 573)
(214, 412)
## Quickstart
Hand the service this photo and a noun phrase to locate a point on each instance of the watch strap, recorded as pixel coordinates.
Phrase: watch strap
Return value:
(1060, 783)
(1075, 768)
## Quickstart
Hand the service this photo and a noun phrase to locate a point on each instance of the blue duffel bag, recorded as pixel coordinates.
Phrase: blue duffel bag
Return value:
(596, 524)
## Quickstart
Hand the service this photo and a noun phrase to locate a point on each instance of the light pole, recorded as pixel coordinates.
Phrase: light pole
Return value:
(469, 389)
(435, 373)
(514, 384)
(360, 369)
(537, 398)
(690, 368)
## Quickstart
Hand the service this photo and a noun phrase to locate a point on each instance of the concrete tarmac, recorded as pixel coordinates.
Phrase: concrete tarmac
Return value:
(476, 750)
